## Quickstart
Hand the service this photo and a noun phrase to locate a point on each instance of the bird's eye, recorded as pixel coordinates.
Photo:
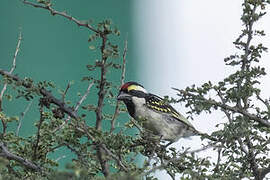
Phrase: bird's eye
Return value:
(125, 90)
(136, 93)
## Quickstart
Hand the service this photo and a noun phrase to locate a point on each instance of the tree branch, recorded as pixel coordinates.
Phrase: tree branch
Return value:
(22, 116)
(228, 115)
(5, 85)
(41, 120)
(63, 14)
(12, 68)
(101, 93)
(102, 82)
(227, 107)
(252, 160)
(77, 106)
(101, 96)
(46, 94)
(28, 164)
(249, 38)
(118, 160)
(65, 92)
(83, 97)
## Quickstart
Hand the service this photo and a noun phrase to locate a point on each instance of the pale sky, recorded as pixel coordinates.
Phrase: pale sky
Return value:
(181, 43)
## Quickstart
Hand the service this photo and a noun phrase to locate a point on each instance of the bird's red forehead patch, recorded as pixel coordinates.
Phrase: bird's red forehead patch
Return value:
(125, 86)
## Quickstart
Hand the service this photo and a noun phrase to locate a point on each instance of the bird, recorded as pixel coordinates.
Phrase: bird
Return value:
(158, 116)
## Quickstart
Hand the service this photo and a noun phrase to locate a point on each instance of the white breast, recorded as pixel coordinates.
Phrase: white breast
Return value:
(158, 123)
(154, 121)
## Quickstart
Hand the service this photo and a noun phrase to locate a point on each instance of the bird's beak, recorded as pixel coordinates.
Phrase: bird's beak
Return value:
(123, 96)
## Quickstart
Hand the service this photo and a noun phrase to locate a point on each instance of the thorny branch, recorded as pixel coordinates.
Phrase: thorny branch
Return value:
(12, 68)
(7, 154)
(229, 117)
(242, 103)
(45, 93)
(101, 96)
(22, 117)
(249, 28)
(5, 85)
(83, 97)
(76, 107)
(265, 102)
(64, 14)
(251, 156)
(117, 159)
(103, 147)
(65, 92)
(102, 82)
(101, 86)
(234, 109)
(252, 160)
(102, 150)
(216, 169)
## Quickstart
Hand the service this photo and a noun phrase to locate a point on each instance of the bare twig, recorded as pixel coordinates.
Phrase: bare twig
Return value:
(65, 92)
(83, 97)
(46, 94)
(5, 85)
(22, 116)
(76, 107)
(265, 102)
(12, 68)
(118, 160)
(6, 154)
(63, 14)
(116, 111)
(137, 126)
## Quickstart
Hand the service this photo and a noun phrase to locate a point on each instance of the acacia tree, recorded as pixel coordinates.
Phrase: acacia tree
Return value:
(242, 143)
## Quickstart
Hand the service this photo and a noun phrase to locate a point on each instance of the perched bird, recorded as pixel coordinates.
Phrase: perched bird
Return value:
(158, 116)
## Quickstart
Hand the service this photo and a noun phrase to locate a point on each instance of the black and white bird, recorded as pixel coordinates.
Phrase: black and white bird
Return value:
(159, 117)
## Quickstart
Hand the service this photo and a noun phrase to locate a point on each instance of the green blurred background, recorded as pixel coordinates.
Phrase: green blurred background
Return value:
(55, 49)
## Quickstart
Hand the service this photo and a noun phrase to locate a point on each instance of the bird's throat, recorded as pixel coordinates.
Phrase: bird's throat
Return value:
(130, 107)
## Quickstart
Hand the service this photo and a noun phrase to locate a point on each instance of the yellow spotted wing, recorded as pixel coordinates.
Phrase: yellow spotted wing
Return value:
(158, 104)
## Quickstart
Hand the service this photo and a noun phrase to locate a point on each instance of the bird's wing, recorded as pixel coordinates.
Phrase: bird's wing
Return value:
(158, 104)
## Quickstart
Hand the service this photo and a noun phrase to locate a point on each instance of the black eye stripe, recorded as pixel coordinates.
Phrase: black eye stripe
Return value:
(136, 93)
(125, 90)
